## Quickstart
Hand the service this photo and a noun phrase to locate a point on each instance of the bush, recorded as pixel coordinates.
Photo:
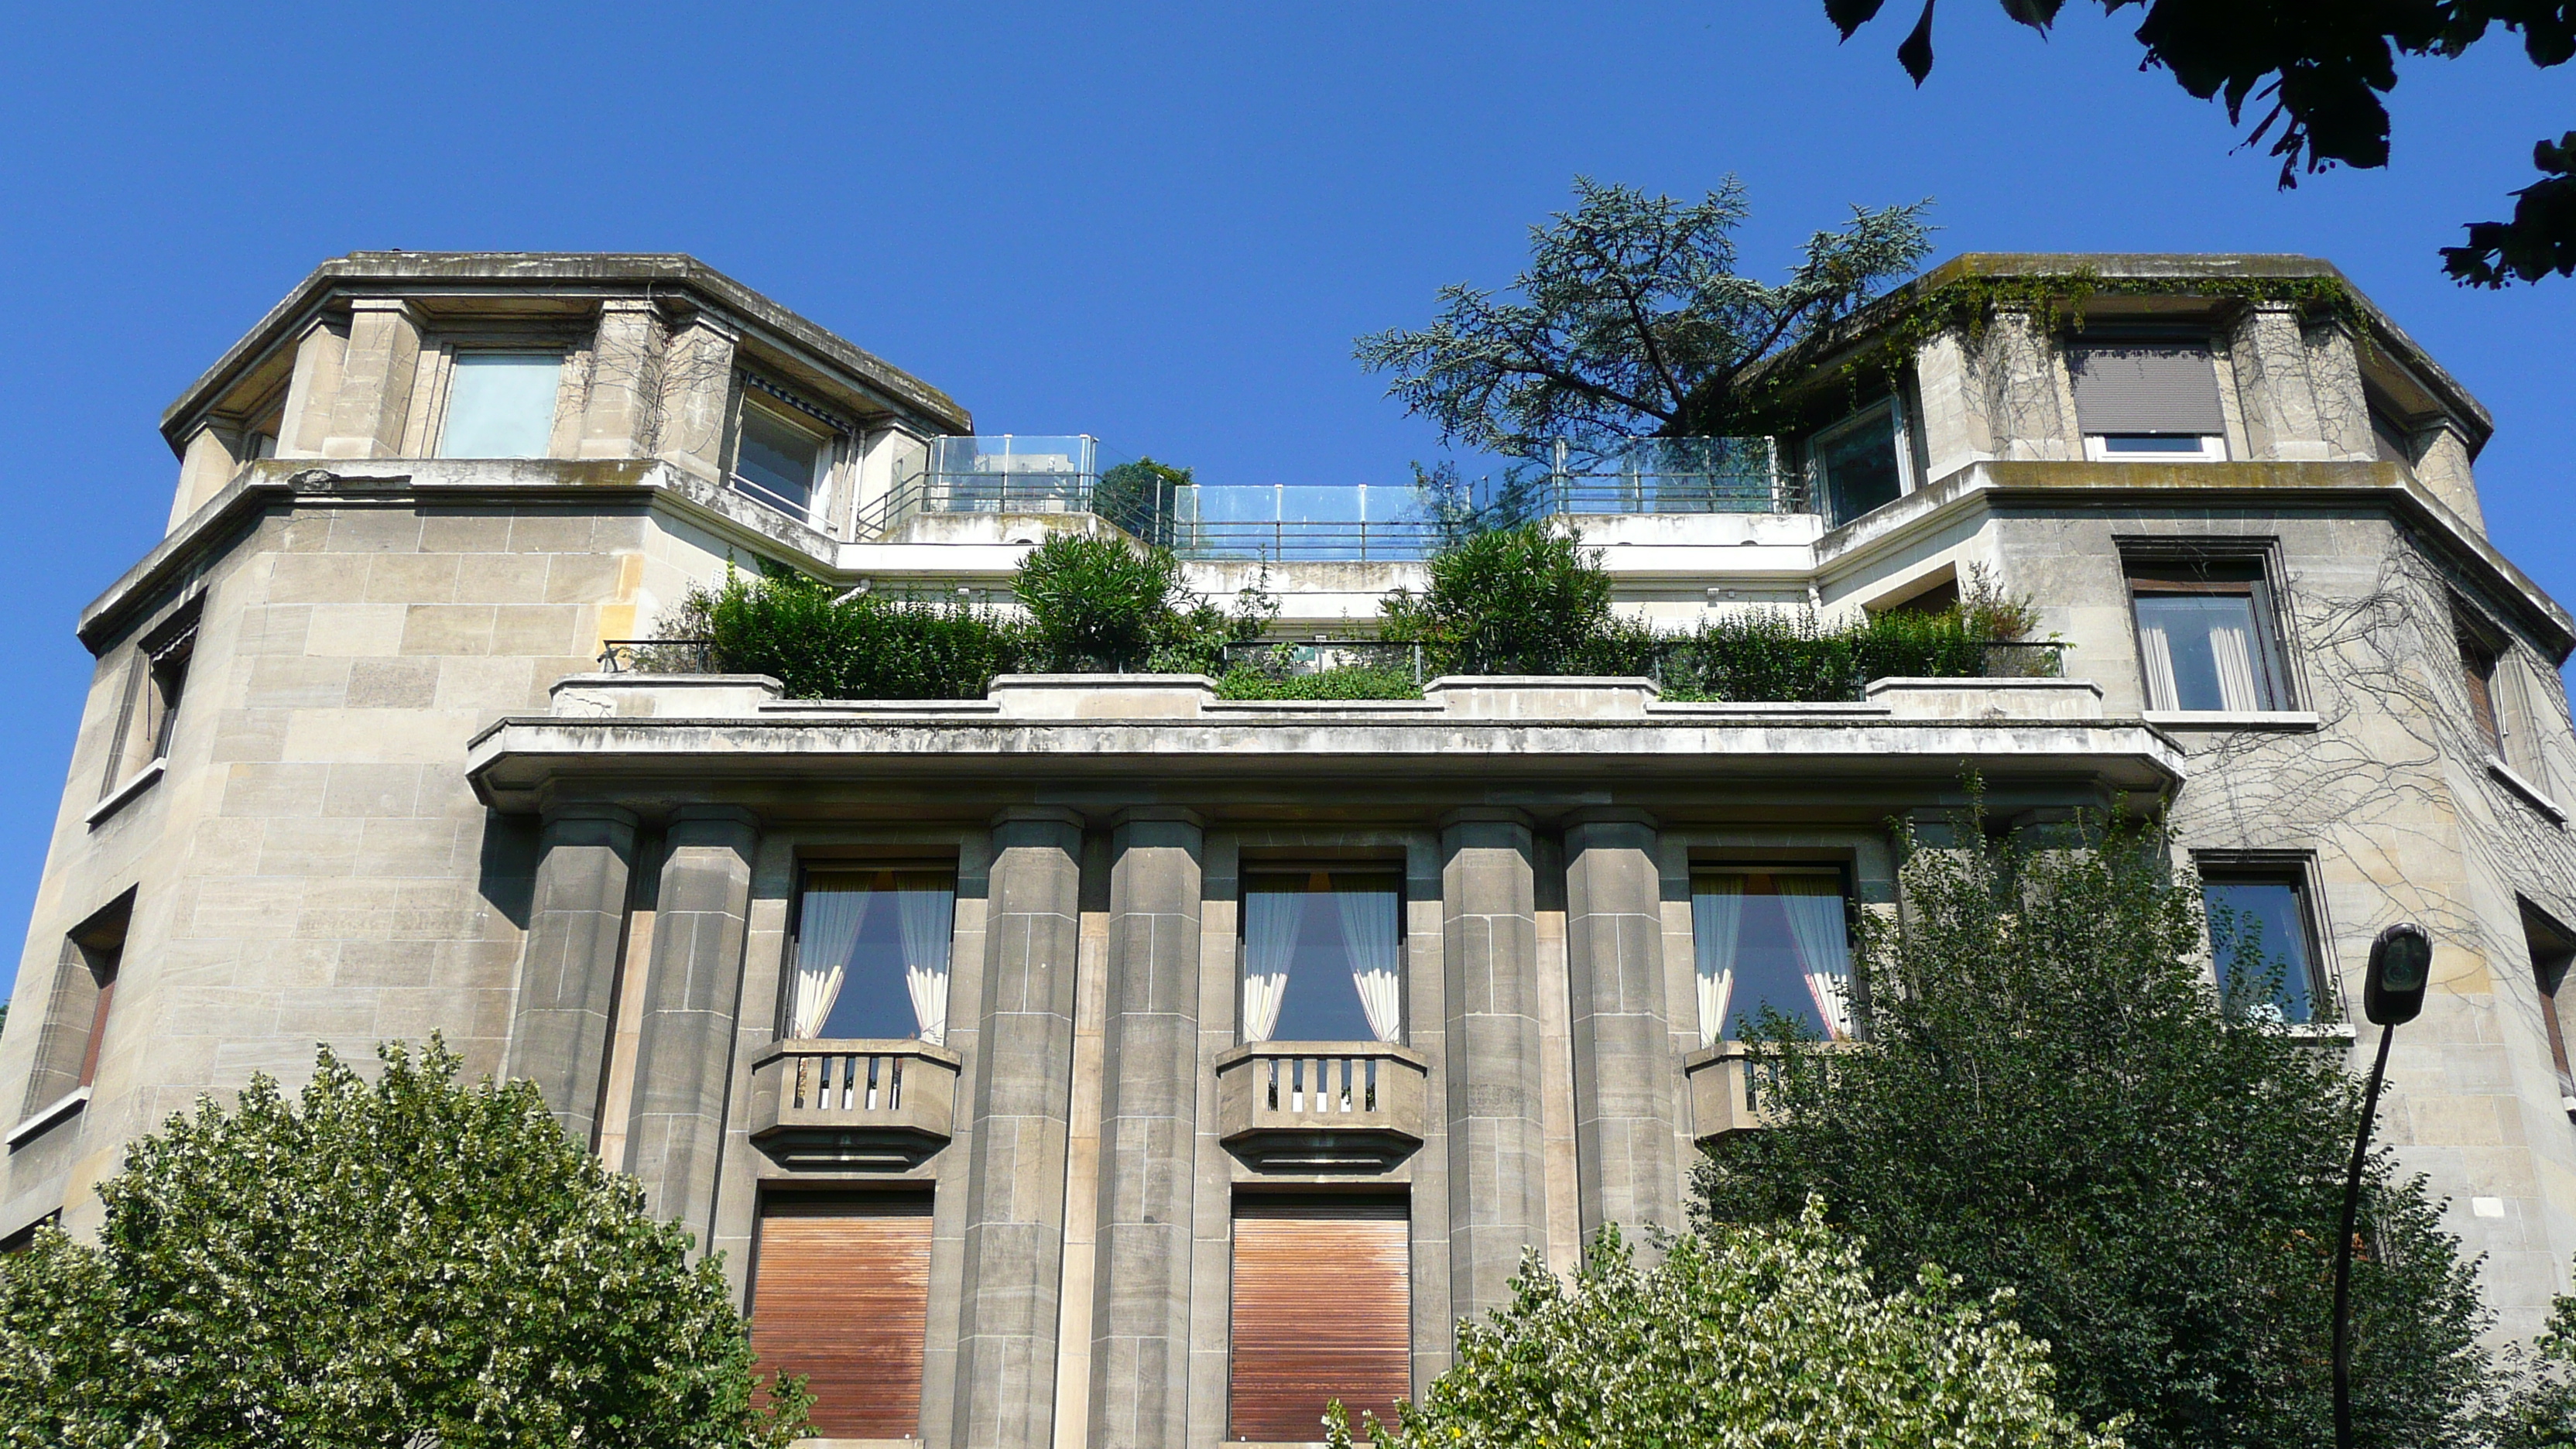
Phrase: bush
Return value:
(2537, 1407)
(1755, 1337)
(1349, 682)
(1525, 600)
(402, 1262)
(1102, 603)
(2053, 1100)
(822, 645)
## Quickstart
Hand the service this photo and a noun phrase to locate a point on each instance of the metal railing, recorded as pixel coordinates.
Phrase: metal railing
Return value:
(657, 656)
(1665, 661)
(1291, 658)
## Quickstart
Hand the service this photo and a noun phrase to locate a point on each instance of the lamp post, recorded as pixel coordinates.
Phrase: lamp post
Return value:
(2401, 964)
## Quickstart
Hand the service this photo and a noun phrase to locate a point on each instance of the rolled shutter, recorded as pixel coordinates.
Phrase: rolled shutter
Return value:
(2144, 388)
(841, 1293)
(1323, 1310)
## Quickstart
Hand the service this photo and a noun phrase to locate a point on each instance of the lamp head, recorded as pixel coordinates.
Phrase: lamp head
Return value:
(2401, 966)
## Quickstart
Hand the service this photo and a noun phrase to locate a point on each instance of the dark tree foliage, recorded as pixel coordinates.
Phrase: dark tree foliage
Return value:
(1142, 497)
(404, 1262)
(2319, 70)
(2537, 1409)
(1631, 321)
(2053, 1101)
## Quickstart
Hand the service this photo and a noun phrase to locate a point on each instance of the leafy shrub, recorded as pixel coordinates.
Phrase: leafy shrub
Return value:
(399, 1262)
(1101, 603)
(1769, 1336)
(1525, 600)
(820, 644)
(1349, 682)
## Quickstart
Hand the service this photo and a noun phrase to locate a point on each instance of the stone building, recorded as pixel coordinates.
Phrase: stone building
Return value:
(1103, 1062)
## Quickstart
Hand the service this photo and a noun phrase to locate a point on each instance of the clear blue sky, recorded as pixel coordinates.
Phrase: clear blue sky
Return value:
(1161, 224)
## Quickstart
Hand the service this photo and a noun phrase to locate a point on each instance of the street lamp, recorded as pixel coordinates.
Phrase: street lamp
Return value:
(2401, 965)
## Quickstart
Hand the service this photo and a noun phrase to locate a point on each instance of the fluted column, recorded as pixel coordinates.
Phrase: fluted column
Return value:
(1624, 1072)
(568, 972)
(684, 1060)
(1021, 1108)
(1497, 1167)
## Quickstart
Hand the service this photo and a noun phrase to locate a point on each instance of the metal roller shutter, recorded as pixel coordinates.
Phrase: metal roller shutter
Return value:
(2146, 388)
(1323, 1310)
(841, 1293)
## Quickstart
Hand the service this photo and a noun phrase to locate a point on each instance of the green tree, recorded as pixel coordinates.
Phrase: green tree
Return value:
(2323, 67)
(2537, 1408)
(1105, 603)
(1767, 1336)
(1631, 321)
(1142, 497)
(2051, 1100)
(403, 1262)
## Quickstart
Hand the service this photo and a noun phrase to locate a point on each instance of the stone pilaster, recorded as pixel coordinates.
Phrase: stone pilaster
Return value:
(1148, 1135)
(696, 388)
(621, 417)
(684, 1058)
(1492, 1048)
(1021, 1105)
(568, 970)
(1624, 1072)
(377, 371)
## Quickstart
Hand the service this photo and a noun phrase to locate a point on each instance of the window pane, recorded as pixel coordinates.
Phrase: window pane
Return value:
(2152, 443)
(1779, 940)
(1859, 469)
(777, 460)
(2201, 652)
(2258, 927)
(1323, 957)
(872, 955)
(500, 405)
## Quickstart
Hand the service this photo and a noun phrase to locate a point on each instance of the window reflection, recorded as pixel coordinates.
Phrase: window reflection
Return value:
(2259, 930)
(1323, 957)
(1771, 939)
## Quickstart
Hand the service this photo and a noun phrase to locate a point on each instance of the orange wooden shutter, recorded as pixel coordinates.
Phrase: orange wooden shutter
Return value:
(841, 1293)
(1323, 1310)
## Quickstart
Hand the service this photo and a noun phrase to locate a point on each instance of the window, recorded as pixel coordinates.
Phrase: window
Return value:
(2148, 401)
(872, 955)
(841, 1293)
(1323, 957)
(2263, 940)
(1775, 939)
(501, 405)
(152, 693)
(2205, 637)
(1323, 1310)
(777, 461)
(75, 1028)
(2478, 676)
(2391, 440)
(1860, 463)
(2552, 947)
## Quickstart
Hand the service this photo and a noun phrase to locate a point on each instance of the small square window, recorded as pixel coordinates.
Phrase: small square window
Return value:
(777, 461)
(1776, 940)
(872, 950)
(2155, 448)
(153, 691)
(501, 405)
(2205, 639)
(2148, 400)
(1860, 464)
(1323, 957)
(2263, 938)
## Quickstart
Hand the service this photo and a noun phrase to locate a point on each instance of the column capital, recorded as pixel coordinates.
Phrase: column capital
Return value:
(1487, 815)
(1038, 815)
(555, 812)
(1611, 815)
(1157, 815)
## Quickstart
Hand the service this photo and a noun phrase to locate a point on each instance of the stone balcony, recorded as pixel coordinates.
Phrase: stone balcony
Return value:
(1726, 1083)
(852, 1104)
(1321, 1106)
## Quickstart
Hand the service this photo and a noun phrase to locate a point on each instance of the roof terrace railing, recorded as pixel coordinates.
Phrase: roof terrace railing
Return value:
(1014, 474)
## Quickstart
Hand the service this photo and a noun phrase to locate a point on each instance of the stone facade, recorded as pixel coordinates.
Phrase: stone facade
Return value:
(398, 796)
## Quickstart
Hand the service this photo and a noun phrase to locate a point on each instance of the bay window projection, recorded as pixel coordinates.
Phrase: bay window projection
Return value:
(2264, 941)
(2205, 639)
(2148, 402)
(1322, 1309)
(1772, 938)
(871, 955)
(840, 1293)
(500, 405)
(1323, 957)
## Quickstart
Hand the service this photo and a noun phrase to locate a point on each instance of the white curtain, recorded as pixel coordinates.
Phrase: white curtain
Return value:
(1270, 919)
(827, 932)
(1369, 931)
(926, 913)
(2158, 653)
(1717, 913)
(1814, 905)
(2232, 646)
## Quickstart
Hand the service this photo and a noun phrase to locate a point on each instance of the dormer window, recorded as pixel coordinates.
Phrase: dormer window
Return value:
(2148, 402)
(784, 449)
(1860, 463)
(501, 405)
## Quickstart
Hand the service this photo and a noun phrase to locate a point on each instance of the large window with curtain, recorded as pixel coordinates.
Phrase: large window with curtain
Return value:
(871, 954)
(1775, 938)
(2206, 639)
(1323, 956)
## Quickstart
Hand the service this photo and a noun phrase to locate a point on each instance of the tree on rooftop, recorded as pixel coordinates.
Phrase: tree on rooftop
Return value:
(2051, 1100)
(1632, 321)
(1769, 1336)
(405, 1262)
(2317, 72)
